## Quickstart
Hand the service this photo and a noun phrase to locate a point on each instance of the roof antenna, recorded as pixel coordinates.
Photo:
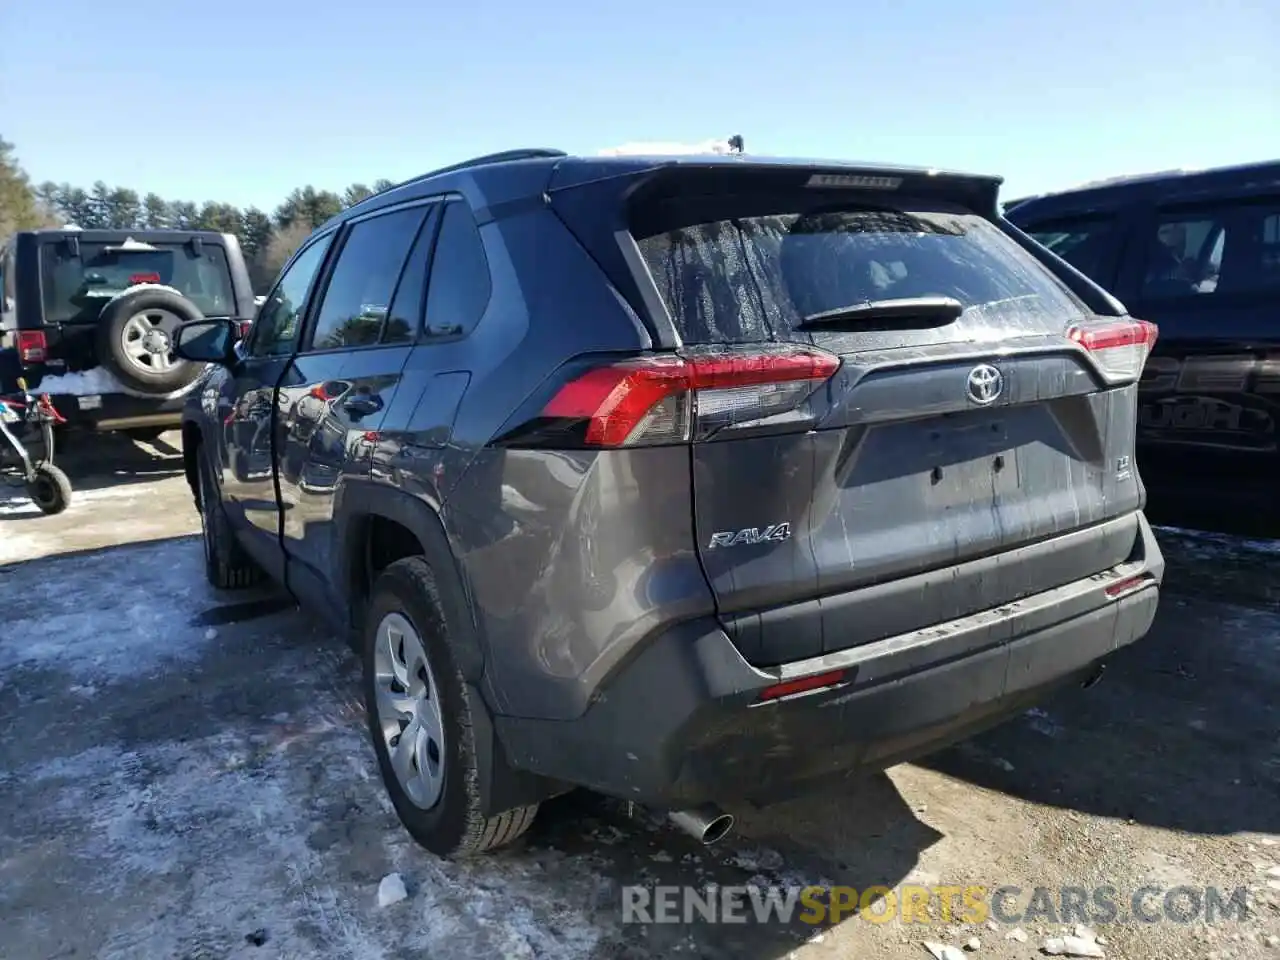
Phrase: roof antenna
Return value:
(735, 143)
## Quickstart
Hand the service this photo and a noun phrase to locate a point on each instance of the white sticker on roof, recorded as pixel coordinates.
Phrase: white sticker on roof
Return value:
(655, 148)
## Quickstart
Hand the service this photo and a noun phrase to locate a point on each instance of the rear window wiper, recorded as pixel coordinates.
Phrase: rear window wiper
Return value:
(877, 314)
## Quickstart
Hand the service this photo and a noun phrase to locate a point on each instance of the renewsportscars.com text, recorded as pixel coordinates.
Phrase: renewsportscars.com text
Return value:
(933, 904)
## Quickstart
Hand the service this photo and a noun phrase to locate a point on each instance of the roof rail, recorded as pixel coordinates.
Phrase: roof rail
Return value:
(504, 156)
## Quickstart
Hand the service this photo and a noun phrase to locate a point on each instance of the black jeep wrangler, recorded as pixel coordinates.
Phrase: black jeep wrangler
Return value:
(87, 316)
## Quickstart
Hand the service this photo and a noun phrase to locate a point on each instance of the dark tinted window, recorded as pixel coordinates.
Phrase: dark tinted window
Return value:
(406, 305)
(7, 283)
(359, 293)
(77, 287)
(276, 327)
(754, 278)
(1232, 249)
(1082, 243)
(1269, 251)
(459, 287)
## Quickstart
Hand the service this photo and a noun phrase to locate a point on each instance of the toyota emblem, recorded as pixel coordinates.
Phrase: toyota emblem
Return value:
(985, 384)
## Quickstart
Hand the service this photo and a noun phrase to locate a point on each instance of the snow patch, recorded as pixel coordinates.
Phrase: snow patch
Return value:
(213, 822)
(15, 547)
(109, 627)
(98, 381)
(391, 890)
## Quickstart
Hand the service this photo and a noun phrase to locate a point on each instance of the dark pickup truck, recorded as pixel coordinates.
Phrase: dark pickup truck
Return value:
(1198, 254)
(88, 316)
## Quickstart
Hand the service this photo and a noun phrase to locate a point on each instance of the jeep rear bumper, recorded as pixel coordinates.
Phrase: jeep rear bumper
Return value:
(119, 411)
(683, 723)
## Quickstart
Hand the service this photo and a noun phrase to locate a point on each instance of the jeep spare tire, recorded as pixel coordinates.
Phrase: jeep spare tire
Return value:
(135, 339)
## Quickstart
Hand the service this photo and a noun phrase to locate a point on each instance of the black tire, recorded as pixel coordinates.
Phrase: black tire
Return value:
(161, 309)
(226, 565)
(453, 827)
(50, 490)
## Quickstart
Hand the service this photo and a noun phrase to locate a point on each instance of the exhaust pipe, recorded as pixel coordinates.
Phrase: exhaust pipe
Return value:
(1094, 677)
(706, 824)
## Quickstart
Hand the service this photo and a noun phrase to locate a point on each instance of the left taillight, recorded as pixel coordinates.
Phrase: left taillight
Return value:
(1119, 348)
(32, 346)
(670, 399)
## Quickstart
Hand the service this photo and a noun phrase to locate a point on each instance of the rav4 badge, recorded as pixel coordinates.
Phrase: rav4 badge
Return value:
(775, 533)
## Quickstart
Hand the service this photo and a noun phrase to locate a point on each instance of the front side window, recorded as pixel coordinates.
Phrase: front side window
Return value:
(77, 287)
(1232, 249)
(355, 307)
(275, 329)
(1184, 257)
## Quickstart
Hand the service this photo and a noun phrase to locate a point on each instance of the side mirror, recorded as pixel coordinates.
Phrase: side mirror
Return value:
(207, 341)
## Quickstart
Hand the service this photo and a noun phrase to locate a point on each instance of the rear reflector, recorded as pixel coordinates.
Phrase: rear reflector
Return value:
(1120, 349)
(670, 399)
(32, 346)
(789, 688)
(1128, 585)
(144, 278)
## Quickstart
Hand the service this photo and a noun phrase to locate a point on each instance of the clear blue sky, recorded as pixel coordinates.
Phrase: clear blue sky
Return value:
(242, 100)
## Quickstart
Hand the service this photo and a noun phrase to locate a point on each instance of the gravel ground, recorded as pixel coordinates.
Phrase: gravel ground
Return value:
(190, 771)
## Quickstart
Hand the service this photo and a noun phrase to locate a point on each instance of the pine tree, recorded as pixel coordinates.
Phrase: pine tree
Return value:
(19, 209)
(156, 212)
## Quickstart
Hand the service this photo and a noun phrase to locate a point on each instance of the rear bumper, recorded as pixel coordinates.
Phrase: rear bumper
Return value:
(118, 411)
(682, 723)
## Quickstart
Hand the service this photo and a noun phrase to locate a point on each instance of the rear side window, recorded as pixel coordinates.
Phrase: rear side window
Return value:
(76, 288)
(459, 287)
(1082, 243)
(354, 310)
(1230, 249)
(754, 278)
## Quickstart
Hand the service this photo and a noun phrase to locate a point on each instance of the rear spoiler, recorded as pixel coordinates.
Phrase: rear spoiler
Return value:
(654, 177)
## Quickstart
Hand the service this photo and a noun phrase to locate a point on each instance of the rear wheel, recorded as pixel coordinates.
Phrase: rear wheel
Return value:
(226, 565)
(420, 719)
(50, 490)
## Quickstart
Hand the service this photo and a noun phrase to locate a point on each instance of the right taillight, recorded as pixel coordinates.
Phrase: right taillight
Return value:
(32, 346)
(671, 399)
(1119, 348)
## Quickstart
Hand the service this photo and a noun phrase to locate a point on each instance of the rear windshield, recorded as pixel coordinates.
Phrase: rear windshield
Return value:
(77, 287)
(754, 278)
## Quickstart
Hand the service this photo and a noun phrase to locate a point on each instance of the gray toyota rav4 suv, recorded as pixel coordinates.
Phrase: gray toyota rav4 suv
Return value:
(692, 481)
